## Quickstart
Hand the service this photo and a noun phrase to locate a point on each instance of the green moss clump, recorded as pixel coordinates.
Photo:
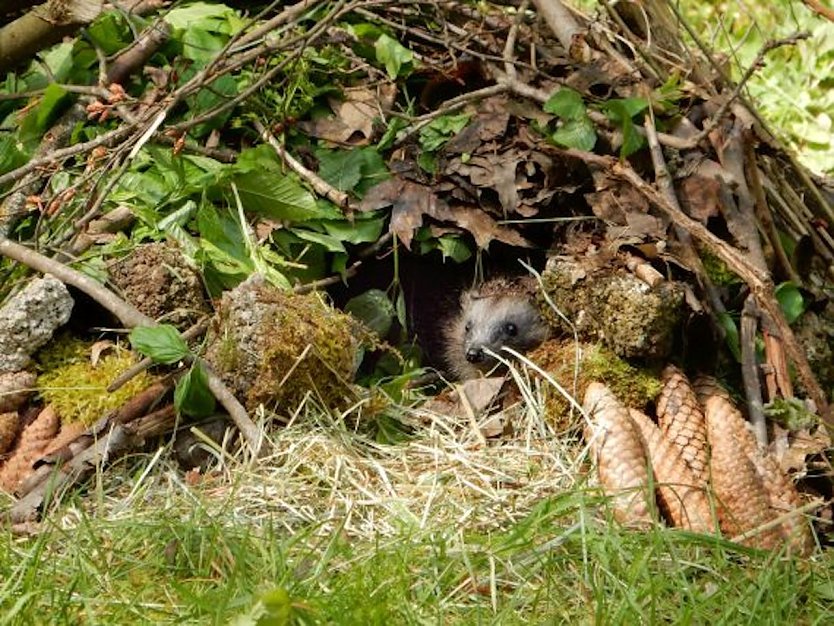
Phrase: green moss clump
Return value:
(76, 388)
(635, 387)
(717, 270)
(274, 348)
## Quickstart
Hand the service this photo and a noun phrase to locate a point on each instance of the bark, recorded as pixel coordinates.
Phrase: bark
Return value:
(42, 27)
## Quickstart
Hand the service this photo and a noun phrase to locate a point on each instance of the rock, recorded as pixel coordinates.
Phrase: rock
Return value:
(29, 319)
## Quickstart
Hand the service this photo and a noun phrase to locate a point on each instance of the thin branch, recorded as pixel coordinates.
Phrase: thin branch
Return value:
(820, 9)
(319, 185)
(564, 26)
(663, 180)
(757, 63)
(750, 370)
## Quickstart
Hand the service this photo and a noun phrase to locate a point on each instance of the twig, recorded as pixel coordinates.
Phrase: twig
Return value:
(130, 316)
(751, 172)
(120, 440)
(526, 91)
(564, 26)
(757, 63)
(740, 217)
(56, 156)
(135, 55)
(449, 106)
(509, 46)
(750, 370)
(196, 330)
(319, 185)
(663, 180)
(349, 272)
(820, 9)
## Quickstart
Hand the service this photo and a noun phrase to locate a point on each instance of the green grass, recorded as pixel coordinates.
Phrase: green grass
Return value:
(160, 551)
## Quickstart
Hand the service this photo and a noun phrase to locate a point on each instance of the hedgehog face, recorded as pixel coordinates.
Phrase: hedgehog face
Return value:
(492, 323)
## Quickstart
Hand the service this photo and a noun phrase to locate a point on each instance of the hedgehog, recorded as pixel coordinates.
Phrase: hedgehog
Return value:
(499, 313)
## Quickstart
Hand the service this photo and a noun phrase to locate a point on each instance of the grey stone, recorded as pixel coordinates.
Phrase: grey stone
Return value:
(29, 318)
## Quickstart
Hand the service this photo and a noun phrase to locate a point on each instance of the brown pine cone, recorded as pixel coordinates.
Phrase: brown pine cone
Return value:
(681, 495)
(682, 421)
(617, 450)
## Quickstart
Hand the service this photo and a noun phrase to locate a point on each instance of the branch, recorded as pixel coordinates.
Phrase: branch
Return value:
(42, 27)
(820, 9)
(564, 26)
(319, 185)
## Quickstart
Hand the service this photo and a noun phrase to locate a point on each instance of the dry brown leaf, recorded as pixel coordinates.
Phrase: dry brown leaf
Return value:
(481, 394)
(353, 116)
(699, 197)
(617, 449)
(680, 493)
(33, 440)
(411, 201)
(613, 200)
(483, 228)
(68, 433)
(98, 349)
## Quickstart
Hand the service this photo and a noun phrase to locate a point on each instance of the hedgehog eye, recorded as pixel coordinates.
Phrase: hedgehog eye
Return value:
(511, 329)
(468, 327)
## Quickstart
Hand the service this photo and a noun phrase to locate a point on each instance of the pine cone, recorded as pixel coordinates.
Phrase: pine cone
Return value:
(682, 421)
(681, 495)
(33, 440)
(617, 449)
(9, 427)
(737, 485)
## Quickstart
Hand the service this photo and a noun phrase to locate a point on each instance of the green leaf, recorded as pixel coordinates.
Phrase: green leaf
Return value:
(440, 130)
(41, 117)
(328, 242)
(162, 343)
(454, 247)
(10, 156)
(576, 129)
(619, 109)
(223, 251)
(110, 33)
(212, 17)
(396, 58)
(340, 168)
(215, 93)
(374, 309)
(567, 104)
(791, 301)
(359, 231)
(579, 134)
(731, 334)
(192, 395)
(352, 170)
(279, 197)
(620, 112)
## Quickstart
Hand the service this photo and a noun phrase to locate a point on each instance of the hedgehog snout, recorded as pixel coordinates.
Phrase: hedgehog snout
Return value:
(475, 355)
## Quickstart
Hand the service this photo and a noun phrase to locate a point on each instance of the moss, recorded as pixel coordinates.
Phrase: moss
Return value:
(76, 388)
(274, 348)
(635, 387)
(717, 270)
